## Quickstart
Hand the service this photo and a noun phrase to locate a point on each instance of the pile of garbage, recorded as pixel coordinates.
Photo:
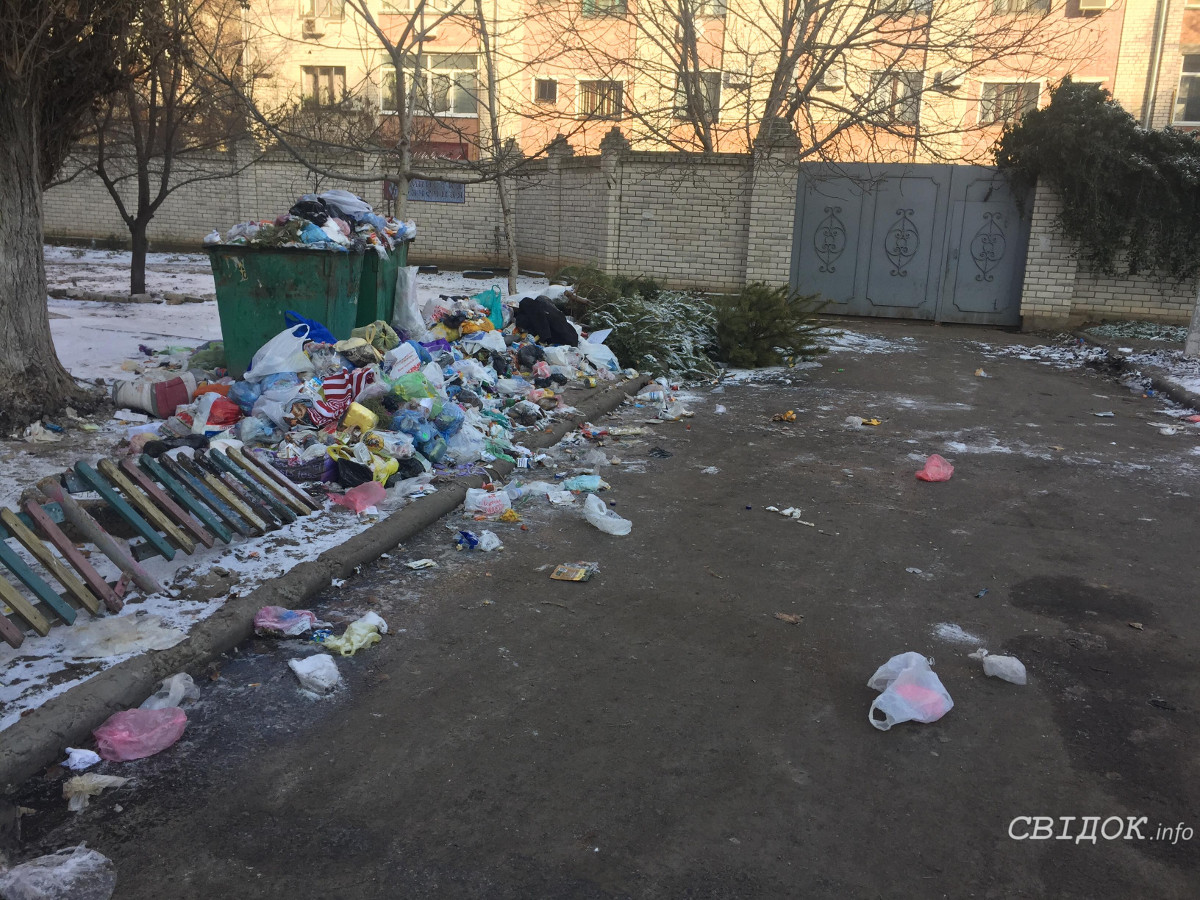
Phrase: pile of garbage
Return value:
(335, 220)
(454, 383)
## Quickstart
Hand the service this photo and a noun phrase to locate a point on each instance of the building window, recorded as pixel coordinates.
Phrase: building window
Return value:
(323, 85)
(1004, 103)
(448, 86)
(545, 90)
(896, 97)
(1020, 7)
(600, 99)
(1187, 102)
(595, 8)
(333, 10)
(705, 88)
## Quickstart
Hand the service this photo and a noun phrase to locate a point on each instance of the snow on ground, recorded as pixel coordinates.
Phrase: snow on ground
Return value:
(107, 271)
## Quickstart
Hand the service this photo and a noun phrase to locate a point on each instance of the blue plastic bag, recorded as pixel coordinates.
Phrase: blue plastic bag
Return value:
(316, 331)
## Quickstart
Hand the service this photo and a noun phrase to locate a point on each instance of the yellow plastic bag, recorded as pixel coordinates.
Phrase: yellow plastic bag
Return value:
(379, 334)
(359, 635)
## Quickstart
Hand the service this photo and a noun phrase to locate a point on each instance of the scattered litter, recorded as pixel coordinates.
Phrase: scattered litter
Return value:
(277, 621)
(979, 373)
(79, 790)
(362, 633)
(577, 571)
(789, 416)
(982, 593)
(361, 499)
(173, 691)
(317, 673)
(138, 733)
(510, 516)
(660, 453)
(710, 470)
(936, 469)
(585, 483)
(1104, 415)
(75, 873)
(38, 434)
(914, 571)
(911, 692)
(1136, 625)
(603, 518)
(421, 564)
(78, 760)
(790, 618)
(466, 540)
(128, 415)
(854, 421)
(720, 410)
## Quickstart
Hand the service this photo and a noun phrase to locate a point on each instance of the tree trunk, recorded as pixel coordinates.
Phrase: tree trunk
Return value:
(32, 380)
(510, 231)
(137, 260)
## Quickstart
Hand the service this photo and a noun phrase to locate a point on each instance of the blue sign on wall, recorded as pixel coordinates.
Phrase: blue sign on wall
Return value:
(436, 191)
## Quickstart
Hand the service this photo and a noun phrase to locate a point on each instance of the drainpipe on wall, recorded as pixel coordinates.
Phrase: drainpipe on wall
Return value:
(1152, 76)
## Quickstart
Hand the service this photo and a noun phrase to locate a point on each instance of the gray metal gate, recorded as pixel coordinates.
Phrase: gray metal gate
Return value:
(938, 242)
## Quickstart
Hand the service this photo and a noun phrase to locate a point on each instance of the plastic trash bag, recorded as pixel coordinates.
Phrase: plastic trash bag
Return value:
(493, 302)
(78, 760)
(172, 692)
(278, 621)
(244, 393)
(597, 513)
(360, 499)
(78, 791)
(406, 313)
(75, 873)
(468, 445)
(1006, 668)
(911, 692)
(316, 331)
(318, 673)
(360, 634)
(487, 503)
(138, 733)
(489, 541)
(282, 353)
(936, 469)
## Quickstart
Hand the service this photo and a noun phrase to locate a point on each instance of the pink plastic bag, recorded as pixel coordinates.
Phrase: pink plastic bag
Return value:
(136, 733)
(360, 498)
(276, 621)
(936, 469)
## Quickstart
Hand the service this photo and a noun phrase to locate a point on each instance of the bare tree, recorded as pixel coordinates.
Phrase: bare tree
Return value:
(170, 125)
(56, 59)
(855, 78)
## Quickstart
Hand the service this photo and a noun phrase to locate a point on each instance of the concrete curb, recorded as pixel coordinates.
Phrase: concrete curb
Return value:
(1158, 378)
(38, 739)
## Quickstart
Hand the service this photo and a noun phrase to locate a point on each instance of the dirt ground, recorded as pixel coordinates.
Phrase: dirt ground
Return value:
(658, 732)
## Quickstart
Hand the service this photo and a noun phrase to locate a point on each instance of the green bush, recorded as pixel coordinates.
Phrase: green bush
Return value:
(767, 326)
(670, 333)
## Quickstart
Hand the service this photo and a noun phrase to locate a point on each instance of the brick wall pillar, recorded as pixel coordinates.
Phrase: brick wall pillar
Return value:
(613, 148)
(1050, 267)
(558, 151)
(776, 166)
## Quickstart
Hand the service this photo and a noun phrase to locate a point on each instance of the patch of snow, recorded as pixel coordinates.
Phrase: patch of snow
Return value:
(840, 340)
(948, 631)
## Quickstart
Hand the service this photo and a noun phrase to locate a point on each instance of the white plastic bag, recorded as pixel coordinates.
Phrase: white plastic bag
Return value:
(317, 673)
(488, 340)
(406, 313)
(282, 353)
(79, 790)
(172, 692)
(597, 513)
(1006, 668)
(911, 692)
(75, 873)
(489, 541)
(487, 503)
(600, 356)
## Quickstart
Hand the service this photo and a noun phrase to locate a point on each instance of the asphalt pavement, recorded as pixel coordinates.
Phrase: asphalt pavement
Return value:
(658, 731)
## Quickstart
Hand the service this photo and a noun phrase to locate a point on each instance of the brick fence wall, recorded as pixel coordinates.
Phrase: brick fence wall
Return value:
(1060, 291)
(713, 223)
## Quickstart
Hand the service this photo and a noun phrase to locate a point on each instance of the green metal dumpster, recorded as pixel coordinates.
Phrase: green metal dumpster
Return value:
(377, 289)
(256, 286)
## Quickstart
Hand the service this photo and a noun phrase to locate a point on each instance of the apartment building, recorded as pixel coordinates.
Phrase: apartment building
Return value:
(885, 79)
